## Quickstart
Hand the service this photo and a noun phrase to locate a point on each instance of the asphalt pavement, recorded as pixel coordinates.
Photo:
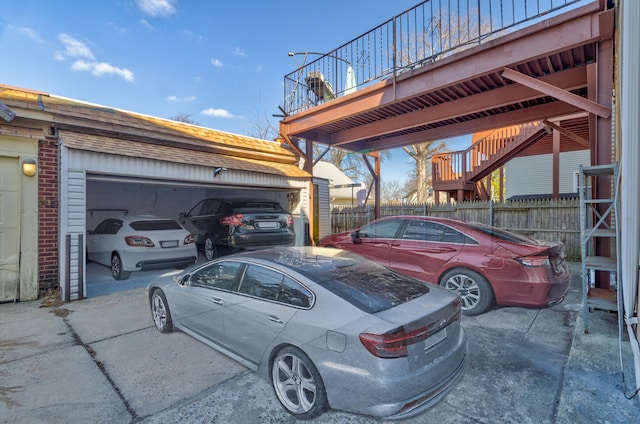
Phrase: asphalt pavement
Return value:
(101, 360)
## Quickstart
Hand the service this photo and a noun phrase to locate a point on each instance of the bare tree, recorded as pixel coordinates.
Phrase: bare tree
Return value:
(421, 153)
(351, 163)
(184, 117)
(391, 191)
(262, 127)
(445, 33)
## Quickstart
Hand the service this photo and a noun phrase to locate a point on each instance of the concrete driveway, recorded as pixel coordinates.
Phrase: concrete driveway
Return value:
(102, 360)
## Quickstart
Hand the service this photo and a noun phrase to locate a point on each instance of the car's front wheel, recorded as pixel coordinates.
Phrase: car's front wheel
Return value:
(474, 290)
(160, 312)
(210, 249)
(117, 268)
(298, 384)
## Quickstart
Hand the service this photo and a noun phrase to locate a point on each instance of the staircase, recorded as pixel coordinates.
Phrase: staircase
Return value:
(463, 171)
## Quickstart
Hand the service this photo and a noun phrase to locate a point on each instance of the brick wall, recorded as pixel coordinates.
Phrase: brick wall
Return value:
(48, 198)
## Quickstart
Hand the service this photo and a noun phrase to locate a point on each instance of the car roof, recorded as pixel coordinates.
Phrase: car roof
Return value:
(426, 218)
(304, 254)
(132, 218)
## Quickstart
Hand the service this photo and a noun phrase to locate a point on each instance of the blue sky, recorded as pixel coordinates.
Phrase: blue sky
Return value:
(221, 62)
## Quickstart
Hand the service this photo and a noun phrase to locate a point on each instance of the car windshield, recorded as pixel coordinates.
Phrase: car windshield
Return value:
(500, 234)
(156, 224)
(366, 285)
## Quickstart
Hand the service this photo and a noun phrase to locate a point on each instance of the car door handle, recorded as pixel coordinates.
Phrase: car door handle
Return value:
(216, 300)
(275, 319)
(442, 250)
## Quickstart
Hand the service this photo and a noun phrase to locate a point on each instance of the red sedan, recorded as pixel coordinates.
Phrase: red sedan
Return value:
(483, 264)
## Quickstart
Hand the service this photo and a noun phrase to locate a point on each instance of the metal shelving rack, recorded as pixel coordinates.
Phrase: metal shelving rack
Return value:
(599, 220)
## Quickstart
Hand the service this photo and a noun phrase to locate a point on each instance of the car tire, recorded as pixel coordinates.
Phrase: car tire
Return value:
(209, 249)
(117, 268)
(474, 290)
(160, 312)
(298, 384)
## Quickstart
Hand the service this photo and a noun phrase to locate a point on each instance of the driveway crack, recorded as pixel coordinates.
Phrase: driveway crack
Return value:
(100, 366)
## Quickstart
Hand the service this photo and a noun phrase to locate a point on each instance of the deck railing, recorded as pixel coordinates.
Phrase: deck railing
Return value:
(427, 32)
(470, 164)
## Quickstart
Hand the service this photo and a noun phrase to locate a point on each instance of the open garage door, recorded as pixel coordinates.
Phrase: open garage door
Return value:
(111, 196)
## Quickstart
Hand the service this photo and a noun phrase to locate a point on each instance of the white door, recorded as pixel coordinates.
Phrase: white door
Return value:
(9, 228)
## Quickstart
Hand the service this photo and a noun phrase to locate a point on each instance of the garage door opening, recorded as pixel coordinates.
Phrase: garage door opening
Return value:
(112, 197)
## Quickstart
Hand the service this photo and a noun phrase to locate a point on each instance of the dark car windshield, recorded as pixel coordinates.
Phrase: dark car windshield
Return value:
(366, 285)
(500, 234)
(164, 224)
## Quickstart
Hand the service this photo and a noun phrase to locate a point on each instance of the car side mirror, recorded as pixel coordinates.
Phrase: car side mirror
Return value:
(183, 280)
(355, 237)
(182, 214)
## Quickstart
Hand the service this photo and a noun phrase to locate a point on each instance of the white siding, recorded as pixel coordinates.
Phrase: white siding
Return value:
(124, 166)
(322, 197)
(534, 174)
(72, 229)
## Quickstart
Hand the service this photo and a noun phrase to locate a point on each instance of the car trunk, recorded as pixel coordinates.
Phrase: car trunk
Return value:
(438, 314)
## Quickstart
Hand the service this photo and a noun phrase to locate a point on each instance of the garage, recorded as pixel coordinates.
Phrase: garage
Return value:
(88, 162)
(106, 176)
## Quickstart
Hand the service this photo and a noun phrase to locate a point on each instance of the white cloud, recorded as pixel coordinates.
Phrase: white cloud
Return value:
(239, 52)
(156, 7)
(99, 69)
(31, 33)
(185, 99)
(105, 68)
(74, 48)
(85, 61)
(217, 63)
(217, 113)
(146, 24)
(81, 65)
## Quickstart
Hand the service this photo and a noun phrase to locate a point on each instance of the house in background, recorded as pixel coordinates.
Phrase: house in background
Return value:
(518, 172)
(343, 192)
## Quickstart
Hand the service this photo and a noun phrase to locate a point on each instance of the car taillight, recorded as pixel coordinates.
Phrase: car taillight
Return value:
(534, 261)
(189, 239)
(394, 343)
(232, 220)
(138, 241)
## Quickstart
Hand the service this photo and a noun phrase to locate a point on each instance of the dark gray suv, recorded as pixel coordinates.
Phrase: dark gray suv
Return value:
(238, 224)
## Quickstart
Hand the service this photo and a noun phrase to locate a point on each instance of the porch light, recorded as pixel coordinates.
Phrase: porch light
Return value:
(29, 167)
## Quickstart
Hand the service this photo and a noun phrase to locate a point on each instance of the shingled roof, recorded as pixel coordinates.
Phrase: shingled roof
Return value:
(92, 127)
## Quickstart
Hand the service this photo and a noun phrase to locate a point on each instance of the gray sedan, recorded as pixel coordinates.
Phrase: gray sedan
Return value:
(326, 327)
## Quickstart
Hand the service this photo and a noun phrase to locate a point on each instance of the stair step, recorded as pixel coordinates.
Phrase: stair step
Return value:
(604, 299)
(601, 263)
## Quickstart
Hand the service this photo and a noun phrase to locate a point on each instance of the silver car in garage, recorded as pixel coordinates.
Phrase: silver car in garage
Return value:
(326, 327)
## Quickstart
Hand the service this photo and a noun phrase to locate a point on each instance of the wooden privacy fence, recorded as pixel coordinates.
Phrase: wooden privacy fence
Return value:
(547, 219)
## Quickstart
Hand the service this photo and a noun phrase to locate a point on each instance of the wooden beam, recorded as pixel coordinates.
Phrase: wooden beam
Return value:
(504, 96)
(567, 133)
(558, 93)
